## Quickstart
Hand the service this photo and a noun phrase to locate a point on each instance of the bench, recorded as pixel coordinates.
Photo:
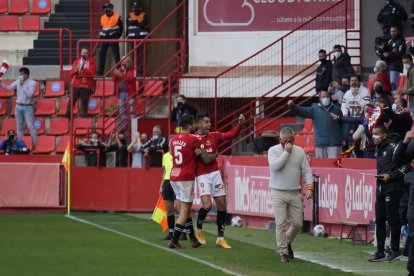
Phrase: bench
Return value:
(353, 227)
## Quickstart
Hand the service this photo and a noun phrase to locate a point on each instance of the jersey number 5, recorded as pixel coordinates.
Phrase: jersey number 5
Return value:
(178, 156)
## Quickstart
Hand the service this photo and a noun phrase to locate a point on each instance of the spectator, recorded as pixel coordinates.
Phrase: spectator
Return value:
(382, 49)
(389, 192)
(13, 145)
(111, 28)
(338, 90)
(24, 112)
(94, 148)
(382, 74)
(137, 28)
(120, 146)
(328, 132)
(341, 64)
(323, 73)
(182, 108)
(355, 98)
(398, 49)
(400, 117)
(378, 92)
(125, 82)
(392, 14)
(83, 69)
(407, 60)
(135, 148)
(155, 147)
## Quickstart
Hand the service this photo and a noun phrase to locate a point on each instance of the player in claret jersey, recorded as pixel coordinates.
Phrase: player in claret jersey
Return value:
(185, 148)
(208, 177)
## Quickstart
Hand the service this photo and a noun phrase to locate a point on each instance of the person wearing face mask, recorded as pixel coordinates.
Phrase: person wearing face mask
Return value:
(25, 88)
(83, 71)
(392, 14)
(92, 148)
(338, 90)
(341, 64)
(395, 64)
(388, 194)
(323, 73)
(155, 147)
(13, 145)
(111, 28)
(407, 60)
(135, 148)
(382, 49)
(119, 143)
(400, 117)
(378, 92)
(329, 133)
(381, 71)
(182, 108)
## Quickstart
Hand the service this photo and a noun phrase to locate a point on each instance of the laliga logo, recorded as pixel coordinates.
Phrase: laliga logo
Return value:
(357, 197)
(328, 196)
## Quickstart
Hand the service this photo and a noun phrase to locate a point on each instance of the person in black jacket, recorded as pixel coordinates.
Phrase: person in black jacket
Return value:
(341, 64)
(323, 73)
(398, 49)
(182, 108)
(400, 117)
(388, 195)
(392, 14)
(382, 49)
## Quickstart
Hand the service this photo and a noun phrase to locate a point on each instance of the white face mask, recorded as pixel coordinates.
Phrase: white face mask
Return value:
(394, 107)
(376, 69)
(337, 54)
(21, 78)
(155, 137)
(325, 101)
(407, 67)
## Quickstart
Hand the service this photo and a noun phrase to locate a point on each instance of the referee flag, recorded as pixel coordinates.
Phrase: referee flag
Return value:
(160, 214)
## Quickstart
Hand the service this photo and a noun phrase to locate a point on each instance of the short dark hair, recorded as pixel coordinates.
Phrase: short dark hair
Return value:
(337, 46)
(182, 96)
(381, 127)
(202, 115)
(24, 70)
(403, 102)
(379, 40)
(322, 51)
(381, 100)
(346, 77)
(355, 76)
(394, 26)
(186, 121)
(407, 56)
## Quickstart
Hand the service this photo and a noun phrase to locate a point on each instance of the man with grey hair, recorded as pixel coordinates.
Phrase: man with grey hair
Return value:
(155, 147)
(382, 74)
(286, 162)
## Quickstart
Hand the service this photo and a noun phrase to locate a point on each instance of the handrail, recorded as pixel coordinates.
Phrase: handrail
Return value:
(55, 30)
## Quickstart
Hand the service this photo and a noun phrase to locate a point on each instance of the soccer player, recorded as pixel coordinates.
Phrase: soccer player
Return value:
(208, 177)
(185, 148)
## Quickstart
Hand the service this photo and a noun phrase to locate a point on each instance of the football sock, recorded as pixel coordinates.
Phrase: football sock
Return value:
(171, 223)
(221, 223)
(190, 228)
(202, 214)
(177, 232)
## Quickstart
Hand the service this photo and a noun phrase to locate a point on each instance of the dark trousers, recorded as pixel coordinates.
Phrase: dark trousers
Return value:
(410, 263)
(102, 55)
(387, 209)
(84, 94)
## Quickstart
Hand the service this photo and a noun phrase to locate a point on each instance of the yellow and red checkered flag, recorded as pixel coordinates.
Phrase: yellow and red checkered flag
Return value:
(4, 67)
(343, 154)
(66, 158)
(160, 214)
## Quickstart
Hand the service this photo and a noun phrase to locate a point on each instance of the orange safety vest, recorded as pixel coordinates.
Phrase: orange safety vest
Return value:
(135, 31)
(134, 17)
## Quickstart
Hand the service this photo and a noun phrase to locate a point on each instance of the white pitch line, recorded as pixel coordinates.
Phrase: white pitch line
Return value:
(155, 245)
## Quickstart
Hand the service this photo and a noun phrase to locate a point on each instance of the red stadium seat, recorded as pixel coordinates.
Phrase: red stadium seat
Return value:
(45, 107)
(55, 88)
(39, 124)
(309, 144)
(13, 107)
(58, 126)
(28, 141)
(9, 23)
(45, 144)
(110, 125)
(109, 88)
(402, 82)
(7, 124)
(30, 23)
(19, 6)
(37, 89)
(63, 104)
(82, 126)
(40, 7)
(3, 107)
(153, 88)
(300, 140)
(94, 106)
(139, 107)
(4, 6)
(108, 103)
(307, 126)
(6, 93)
(63, 143)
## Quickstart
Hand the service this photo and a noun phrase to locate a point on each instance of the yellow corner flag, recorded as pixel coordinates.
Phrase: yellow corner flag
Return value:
(160, 214)
(66, 158)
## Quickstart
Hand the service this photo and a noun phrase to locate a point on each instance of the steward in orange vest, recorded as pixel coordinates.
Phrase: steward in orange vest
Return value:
(137, 24)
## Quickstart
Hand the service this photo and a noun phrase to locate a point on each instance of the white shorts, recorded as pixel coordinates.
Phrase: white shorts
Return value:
(184, 190)
(211, 184)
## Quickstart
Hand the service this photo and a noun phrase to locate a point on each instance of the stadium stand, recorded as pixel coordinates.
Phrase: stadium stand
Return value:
(6, 124)
(6, 93)
(63, 142)
(109, 88)
(55, 89)
(4, 6)
(13, 107)
(58, 126)
(94, 106)
(19, 7)
(45, 145)
(9, 23)
(45, 107)
(40, 7)
(30, 23)
(153, 88)
(3, 107)
(39, 124)
(28, 141)
(82, 126)
(110, 125)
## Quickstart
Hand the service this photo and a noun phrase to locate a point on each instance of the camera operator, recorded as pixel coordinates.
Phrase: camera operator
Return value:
(13, 145)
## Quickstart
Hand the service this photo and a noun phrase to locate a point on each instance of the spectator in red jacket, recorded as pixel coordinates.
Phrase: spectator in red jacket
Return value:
(83, 70)
(383, 75)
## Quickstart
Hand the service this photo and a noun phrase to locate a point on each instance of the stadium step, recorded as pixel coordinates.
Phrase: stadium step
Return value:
(78, 7)
(73, 25)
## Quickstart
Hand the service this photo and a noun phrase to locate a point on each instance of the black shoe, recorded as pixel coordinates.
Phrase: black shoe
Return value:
(391, 256)
(174, 245)
(168, 236)
(183, 237)
(195, 243)
(378, 256)
(290, 252)
(284, 258)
